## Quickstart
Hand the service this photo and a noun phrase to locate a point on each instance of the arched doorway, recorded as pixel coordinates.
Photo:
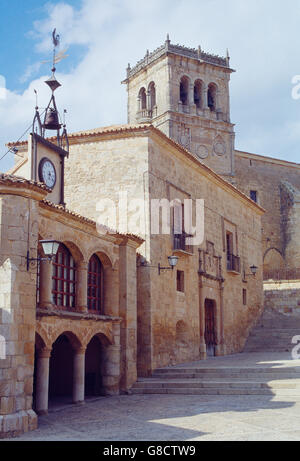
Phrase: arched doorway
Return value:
(210, 327)
(94, 368)
(61, 370)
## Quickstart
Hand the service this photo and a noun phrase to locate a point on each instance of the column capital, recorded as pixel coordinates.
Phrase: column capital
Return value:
(80, 351)
(44, 353)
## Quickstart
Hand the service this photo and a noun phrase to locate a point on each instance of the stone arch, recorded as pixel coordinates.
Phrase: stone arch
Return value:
(152, 95)
(212, 92)
(40, 343)
(44, 337)
(110, 284)
(97, 364)
(70, 240)
(105, 258)
(104, 334)
(273, 263)
(62, 375)
(198, 91)
(75, 338)
(142, 99)
(184, 88)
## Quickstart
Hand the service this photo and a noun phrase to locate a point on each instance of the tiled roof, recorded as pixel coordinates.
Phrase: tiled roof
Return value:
(9, 178)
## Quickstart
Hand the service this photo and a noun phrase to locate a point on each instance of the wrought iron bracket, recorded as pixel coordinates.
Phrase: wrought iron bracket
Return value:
(32, 261)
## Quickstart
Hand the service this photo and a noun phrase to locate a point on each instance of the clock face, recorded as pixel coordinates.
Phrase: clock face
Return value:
(47, 172)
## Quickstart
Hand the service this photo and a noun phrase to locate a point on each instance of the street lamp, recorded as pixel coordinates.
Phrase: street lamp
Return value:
(50, 248)
(173, 260)
(253, 270)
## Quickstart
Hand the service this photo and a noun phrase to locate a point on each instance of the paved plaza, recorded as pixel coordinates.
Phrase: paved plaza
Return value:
(181, 417)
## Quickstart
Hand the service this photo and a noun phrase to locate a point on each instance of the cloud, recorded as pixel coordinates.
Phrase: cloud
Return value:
(261, 37)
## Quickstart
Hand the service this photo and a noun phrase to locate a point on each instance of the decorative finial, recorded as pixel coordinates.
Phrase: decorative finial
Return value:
(227, 56)
(199, 51)
(36, 100)
(167, 42)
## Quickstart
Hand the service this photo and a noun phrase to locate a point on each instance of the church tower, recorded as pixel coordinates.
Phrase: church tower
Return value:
(185, 93)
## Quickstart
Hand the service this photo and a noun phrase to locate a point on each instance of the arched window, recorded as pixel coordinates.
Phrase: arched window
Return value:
(152, 95)
(212, 96)
(198, 94)
(63, 278)
(184, 90)
(142, 99)
(95, 285)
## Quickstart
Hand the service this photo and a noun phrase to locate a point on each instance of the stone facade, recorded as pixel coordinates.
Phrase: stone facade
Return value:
(277, 185)
(143, 163)
(31, 326)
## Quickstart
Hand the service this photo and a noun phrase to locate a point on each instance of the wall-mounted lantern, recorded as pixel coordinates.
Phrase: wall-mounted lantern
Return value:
(173, 260)
(253, 270)
(50, 248)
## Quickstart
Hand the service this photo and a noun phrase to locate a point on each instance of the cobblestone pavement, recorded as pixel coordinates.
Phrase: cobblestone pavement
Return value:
(176, 417)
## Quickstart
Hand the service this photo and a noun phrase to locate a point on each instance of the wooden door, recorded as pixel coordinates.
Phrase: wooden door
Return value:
(210, 327)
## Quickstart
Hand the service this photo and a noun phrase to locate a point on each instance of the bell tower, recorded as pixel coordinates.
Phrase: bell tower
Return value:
(48, 155)
(185, 93)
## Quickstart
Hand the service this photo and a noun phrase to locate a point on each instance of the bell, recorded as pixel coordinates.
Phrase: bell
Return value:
(51, 120)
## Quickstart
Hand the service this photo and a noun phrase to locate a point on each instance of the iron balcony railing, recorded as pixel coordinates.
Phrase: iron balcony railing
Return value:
(233, 263)
(179, 242)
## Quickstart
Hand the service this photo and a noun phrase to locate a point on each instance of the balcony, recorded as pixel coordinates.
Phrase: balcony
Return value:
(146, 115)
(179, 243)
(233, 263)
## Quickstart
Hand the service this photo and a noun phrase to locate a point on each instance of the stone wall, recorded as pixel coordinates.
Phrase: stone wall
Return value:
(283, 296)
(267, 176)
(19, 234)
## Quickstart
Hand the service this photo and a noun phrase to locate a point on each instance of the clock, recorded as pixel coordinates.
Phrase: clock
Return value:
(47, 172)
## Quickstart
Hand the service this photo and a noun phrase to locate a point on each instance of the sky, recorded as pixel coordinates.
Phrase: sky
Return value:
(103, 36)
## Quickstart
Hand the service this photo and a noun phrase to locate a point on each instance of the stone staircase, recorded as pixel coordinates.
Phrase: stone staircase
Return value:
(273, 333)
(222, 380)
(264, 368)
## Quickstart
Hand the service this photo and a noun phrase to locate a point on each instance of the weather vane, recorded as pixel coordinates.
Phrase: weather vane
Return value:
(52, 117)
(57, 57)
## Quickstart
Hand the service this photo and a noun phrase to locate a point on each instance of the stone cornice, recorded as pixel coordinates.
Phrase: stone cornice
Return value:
(263, 158)
(168, 48)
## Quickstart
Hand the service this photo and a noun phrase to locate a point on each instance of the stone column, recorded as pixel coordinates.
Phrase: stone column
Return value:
(205, 100)
(191, 99)
(42, 381)
(45, 288)
(78, 375)
(112, 357)
(81, 287)
(128, 313)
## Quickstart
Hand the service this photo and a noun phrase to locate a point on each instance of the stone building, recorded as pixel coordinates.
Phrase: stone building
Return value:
(78, 309)
(168, 183)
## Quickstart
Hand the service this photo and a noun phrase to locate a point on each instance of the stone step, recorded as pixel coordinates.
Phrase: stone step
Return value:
(234, 377)
(217, 384)
(228, 370)
(218, 391)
